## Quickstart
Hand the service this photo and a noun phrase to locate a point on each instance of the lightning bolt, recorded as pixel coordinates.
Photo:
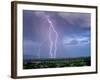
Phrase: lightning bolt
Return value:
(53, 43)
(51, 28)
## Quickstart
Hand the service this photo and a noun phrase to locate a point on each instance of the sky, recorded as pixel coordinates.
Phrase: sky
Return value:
(48, 34)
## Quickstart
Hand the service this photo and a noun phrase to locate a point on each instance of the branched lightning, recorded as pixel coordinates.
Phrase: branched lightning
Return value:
(52, 43)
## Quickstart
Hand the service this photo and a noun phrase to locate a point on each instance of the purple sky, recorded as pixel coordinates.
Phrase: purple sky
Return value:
(73, 31)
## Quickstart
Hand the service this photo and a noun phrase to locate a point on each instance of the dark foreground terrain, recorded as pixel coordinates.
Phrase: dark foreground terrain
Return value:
(55, 63)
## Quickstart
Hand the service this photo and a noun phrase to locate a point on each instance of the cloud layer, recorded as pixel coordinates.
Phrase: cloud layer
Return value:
(76, 41)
